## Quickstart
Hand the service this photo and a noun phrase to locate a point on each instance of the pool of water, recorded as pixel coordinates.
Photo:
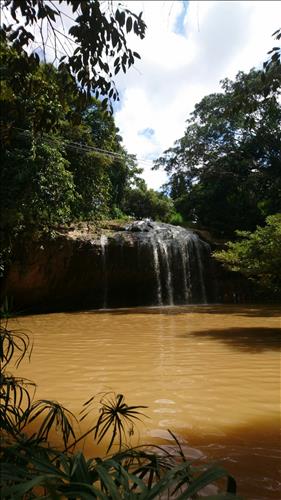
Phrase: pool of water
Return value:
(211, 374)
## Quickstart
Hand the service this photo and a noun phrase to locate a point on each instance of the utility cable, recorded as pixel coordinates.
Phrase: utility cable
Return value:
(87, 148)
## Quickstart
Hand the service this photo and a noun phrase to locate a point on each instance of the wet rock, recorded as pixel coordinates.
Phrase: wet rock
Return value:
(141, 226)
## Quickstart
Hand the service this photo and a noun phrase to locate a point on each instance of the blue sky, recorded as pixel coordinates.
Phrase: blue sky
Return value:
(179, 25)
(189, 47)
(147, 132)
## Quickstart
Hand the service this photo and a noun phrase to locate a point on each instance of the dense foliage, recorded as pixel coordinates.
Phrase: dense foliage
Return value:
(141, 202)
(225, 172)
(62, 158)
(31, 467)
(257, 255)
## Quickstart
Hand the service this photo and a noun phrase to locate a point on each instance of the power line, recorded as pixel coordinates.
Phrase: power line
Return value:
(87, 149)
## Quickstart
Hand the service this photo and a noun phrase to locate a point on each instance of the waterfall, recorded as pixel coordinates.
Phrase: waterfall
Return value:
(154, 263)
(184, 255)
(103, 245)
(168, 275)
(198, 252)
(143, 264)
(155, 244)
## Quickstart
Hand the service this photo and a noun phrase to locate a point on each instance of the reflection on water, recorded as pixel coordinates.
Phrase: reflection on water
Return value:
(210, 374)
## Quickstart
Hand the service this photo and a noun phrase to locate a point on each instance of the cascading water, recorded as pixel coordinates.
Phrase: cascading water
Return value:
(198, 251)
(155, 244)
(103, 243)
(164, 252)
(151, 263)
(184, 256)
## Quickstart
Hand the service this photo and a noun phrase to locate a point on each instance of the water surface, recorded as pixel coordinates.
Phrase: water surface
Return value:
(209, 373)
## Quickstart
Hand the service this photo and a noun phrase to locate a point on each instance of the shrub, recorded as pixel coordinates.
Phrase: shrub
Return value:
(257, 255)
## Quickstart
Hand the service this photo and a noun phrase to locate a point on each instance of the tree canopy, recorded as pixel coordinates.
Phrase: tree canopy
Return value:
(225, 172)
(141, 202)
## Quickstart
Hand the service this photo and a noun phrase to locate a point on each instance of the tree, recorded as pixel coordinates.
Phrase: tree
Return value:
(93, 49)
(37, 188)
(257, 255)
(225, 172)
(141, 202)
(122, 169)
(31, 94)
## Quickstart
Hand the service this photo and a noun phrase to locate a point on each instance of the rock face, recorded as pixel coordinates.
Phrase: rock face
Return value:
(145, 264)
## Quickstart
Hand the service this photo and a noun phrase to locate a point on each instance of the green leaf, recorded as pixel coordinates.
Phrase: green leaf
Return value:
(120, 17)
(129, 24)
(208, 477)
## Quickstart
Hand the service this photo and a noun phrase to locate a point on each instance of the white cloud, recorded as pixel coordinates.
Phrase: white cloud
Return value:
(178, 69)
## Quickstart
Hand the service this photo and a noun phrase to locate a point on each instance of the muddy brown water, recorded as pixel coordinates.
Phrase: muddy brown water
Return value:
(211, 374)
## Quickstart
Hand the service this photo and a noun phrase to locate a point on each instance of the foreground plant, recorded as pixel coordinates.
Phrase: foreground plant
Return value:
(32, 468)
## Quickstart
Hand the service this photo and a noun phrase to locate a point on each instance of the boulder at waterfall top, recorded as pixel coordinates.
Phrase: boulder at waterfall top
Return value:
(141, 226)
(142, 263)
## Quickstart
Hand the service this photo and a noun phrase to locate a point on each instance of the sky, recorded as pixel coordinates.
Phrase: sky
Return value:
(189, 47)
